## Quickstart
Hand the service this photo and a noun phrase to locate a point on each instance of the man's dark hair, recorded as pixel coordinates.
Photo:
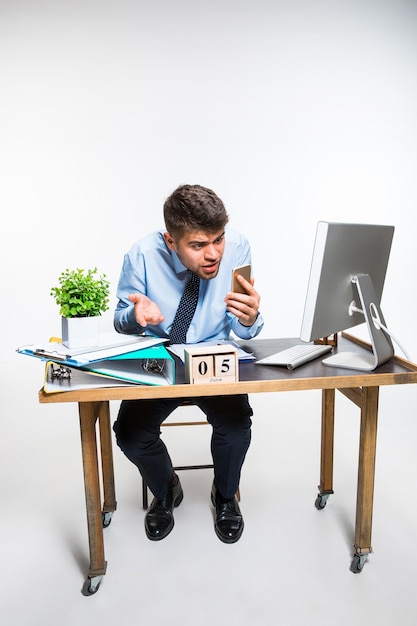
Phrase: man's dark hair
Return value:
(193, 207)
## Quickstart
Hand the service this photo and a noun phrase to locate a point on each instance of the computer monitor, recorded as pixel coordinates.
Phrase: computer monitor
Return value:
(345, 286)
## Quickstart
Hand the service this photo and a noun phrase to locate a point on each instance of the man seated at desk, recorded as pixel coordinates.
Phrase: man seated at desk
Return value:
(170, 280)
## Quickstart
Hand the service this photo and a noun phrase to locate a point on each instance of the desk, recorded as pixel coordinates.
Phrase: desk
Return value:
(362, 388)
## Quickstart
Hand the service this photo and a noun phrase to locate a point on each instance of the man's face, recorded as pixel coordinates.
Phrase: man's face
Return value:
(200, 252)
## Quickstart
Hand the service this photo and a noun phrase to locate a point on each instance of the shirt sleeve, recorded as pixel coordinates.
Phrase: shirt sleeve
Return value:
(247, 332)
(129, 282)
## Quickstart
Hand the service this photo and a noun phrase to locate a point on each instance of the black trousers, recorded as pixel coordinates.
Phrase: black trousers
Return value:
(138, 432)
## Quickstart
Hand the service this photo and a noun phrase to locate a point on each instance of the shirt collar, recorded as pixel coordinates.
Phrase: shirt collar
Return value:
(179, 266)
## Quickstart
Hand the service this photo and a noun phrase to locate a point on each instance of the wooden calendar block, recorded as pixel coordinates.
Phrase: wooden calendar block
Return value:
(202, 366)
(225, 365)
(211, 364)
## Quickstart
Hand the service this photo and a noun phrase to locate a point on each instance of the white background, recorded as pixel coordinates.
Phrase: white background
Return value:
(292, 111)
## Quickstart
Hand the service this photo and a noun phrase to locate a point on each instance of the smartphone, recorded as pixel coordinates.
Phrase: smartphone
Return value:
(243, 270)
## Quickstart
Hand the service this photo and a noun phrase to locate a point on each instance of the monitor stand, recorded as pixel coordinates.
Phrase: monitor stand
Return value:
(382, 348)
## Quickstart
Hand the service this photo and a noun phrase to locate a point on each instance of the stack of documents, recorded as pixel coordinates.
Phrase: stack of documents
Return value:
(117, 360)
(178, 348)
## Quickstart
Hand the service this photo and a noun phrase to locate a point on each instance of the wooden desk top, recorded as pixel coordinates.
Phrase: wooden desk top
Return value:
(258, 378)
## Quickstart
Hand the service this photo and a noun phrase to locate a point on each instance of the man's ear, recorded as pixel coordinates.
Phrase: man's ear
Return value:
(169, 241)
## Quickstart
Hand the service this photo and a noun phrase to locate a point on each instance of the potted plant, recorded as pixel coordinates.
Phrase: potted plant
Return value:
(82, 298)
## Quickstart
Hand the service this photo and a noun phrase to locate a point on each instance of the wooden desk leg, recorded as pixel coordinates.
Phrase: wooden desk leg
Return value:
(109, 493)
(327, 445)
(89, 412)
(366, 477)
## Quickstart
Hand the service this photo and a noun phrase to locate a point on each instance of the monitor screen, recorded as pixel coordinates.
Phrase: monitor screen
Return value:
(341, 253)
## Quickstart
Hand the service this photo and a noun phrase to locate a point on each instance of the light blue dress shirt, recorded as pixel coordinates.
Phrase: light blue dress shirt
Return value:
(150, 268)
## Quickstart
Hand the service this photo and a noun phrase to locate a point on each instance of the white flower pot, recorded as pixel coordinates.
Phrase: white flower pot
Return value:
(80, 332)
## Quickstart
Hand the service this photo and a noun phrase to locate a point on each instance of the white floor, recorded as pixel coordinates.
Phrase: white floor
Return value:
(291, 565)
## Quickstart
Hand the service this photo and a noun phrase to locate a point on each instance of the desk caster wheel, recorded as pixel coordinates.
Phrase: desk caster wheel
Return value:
(358, 562)
(321, 501)
(91, 585)
(106, 518)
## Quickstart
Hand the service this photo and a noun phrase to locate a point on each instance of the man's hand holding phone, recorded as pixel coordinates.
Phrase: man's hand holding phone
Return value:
(243, 300)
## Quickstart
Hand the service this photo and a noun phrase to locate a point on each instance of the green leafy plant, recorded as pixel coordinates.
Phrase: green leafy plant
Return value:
(81, 294)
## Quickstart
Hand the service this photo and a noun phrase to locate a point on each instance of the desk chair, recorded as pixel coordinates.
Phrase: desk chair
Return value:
(181, 467)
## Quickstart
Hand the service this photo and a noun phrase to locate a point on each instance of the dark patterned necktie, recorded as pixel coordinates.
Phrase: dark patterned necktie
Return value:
(186, 310)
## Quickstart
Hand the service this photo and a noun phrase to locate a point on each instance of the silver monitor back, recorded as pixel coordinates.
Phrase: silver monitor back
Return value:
(341, 252)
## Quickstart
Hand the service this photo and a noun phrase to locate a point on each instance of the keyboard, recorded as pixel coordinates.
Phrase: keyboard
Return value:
(296, 355)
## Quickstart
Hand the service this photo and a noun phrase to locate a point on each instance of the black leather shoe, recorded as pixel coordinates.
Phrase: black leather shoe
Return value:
(159, 520)
(228, 523)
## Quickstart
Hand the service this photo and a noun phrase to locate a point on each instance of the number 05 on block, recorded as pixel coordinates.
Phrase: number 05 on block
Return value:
(211, 364)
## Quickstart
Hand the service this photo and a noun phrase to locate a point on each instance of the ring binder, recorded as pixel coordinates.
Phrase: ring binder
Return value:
(118, 360)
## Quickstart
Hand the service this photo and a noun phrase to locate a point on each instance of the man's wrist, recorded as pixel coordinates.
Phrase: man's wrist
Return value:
(250, 325)
(133, 324)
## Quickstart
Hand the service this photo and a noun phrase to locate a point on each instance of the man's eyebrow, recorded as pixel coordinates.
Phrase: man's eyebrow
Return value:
(206, 241)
